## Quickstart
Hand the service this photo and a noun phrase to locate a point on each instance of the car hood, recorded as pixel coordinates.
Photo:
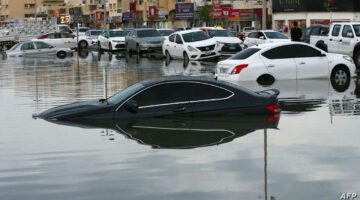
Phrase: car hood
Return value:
(231, 40)
(153, 39)
(73, 110)
(202, 43)
(118, 38)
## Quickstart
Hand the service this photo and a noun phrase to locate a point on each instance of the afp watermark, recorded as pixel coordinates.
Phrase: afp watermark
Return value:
(348, 196)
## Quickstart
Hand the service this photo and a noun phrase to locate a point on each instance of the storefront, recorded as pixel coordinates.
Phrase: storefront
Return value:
(285, 13)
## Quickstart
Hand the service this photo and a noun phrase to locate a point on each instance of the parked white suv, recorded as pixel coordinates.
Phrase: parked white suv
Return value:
(343, 38)
(190, 45)
(265, 36)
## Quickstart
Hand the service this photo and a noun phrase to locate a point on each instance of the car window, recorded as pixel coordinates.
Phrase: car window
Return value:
(195, 36)
(178, 39)
(172, 38)
(166, 32)
(27, 46)
(244, 54)
(324, 30)
(14, 47)
(282, 52)
(220, 33)
(163, 94)
(275, 35)
(64, 35)
(303, 51)
(200, 92)
(125, 93)
(259, 34)
(42, 45)
(336, 30)
(347, 29)
(315, 31)
(118, 33)
(51, 36)
(308, 31)
(252, 34)
(357, 29)
(148, 33)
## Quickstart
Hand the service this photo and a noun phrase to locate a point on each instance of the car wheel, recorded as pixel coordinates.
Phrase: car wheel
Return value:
(357, 58)
(340, 77)
(61, 54)
(110, 47)
(186, 57)
(167, 55)
(83, 44)
(138, 49)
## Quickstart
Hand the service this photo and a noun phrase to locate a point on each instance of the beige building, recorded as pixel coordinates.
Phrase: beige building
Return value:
(10, 9)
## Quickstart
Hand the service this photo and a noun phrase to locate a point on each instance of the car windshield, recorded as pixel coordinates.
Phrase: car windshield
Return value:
(118, 33)
(244, 54)
(64, 29)
(220, 33)
(14, 47)
(126, 93)
(166, 32)
(195, 36)
(148, 33)
(275, 35)
(83, 29)
(96, 33)
(357, 29)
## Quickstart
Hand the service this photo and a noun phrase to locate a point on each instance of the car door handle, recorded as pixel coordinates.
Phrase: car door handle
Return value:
(180, 109)
(302, 63)
(271, 65)
(330, 39)
(340, 40)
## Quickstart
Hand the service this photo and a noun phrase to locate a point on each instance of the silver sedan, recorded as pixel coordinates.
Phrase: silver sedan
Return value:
(37, 49)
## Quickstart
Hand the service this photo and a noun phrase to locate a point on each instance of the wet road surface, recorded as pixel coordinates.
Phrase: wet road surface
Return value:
(311, 152)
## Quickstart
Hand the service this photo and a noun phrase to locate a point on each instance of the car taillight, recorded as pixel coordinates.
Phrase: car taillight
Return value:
(274, 109)
(243, 38)
(274, 118)
(238, 69)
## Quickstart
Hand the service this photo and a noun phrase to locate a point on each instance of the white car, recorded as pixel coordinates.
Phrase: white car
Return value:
(189, 45)
(294, 60)
(265, 36)
(112, 40)
(59, 40)
(90, 38)
(227, 44)
(82, 31)
(37, 49)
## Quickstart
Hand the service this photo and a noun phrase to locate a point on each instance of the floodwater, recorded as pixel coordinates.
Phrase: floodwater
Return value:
(311, 152)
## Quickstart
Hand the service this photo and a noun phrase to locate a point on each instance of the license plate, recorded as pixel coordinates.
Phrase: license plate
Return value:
(232, 47)
(207, 52)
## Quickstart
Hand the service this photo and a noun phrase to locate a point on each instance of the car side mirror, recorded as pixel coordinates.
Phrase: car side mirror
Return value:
(349, 34)
(132, 106)
(50, 47)
(179, 42)
(262, 37)
(322, 55)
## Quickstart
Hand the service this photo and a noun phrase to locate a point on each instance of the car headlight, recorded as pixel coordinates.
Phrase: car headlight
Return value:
(143, 42)
(191, 48)
(348, 58)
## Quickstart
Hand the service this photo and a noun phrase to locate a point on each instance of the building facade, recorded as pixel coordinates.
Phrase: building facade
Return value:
(307, 12)
(18, 9)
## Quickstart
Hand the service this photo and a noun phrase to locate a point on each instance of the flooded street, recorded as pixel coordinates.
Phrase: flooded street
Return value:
(311, 152)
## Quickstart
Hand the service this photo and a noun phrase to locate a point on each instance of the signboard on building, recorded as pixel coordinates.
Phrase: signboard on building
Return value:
(315, 5)
(99, 15)
(132, 6)
(184, 11)
(225, 10)
(128, 16)
(152, 12)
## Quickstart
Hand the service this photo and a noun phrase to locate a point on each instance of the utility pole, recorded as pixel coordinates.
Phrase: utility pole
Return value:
(105, 17)
(264, 14)
(35, 10)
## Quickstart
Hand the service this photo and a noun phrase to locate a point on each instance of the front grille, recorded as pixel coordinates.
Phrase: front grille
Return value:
(231, 48)
(155, 42)
(204, 55)
(120, 46)
(207, 48)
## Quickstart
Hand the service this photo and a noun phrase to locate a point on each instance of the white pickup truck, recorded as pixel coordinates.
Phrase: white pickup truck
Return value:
(343, 38)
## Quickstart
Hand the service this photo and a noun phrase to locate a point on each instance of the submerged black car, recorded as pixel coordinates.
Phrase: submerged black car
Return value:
(186, 133)
(171, 96)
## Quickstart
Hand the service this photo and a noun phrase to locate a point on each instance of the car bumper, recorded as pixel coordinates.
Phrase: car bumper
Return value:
(151, 47)
(201, 55)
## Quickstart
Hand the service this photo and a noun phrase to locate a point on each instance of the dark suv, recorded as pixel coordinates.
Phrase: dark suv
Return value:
(317, 29)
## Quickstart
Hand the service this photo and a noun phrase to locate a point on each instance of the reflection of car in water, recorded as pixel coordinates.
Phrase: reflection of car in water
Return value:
(193, 68)
(172, 96)
(42, 62)
(183, 133)
(306, 95)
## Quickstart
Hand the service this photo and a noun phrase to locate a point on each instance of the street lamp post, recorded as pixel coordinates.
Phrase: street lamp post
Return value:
(264, 14)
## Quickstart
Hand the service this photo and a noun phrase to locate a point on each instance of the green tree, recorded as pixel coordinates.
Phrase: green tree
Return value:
(205, 13)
